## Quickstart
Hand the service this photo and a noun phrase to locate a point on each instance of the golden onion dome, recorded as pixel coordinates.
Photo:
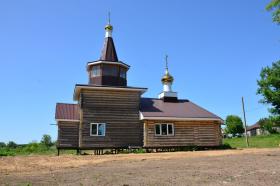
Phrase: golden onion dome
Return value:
(167, 78)
(108, 27)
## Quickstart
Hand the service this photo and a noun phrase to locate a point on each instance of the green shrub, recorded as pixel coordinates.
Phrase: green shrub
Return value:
(139, 151)
(6, 152)
(267, 124)
(225, 146)
(12, 144)
(34, 148)
(45, 147)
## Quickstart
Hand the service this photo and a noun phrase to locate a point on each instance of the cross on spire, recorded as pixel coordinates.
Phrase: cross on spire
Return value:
(109, 17)
(167, 81)
(166, 61)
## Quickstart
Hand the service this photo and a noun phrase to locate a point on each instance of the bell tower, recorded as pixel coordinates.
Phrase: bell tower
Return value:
(167, 94)
(108, 70)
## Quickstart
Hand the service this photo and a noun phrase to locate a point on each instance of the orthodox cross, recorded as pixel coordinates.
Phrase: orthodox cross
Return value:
(166, 61)
(109, 17)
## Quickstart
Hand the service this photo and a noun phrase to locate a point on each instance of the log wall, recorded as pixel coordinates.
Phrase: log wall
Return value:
(119, 110)
(68, 134)
(186, 133)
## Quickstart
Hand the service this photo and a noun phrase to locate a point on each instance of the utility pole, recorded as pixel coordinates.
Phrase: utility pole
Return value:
(245, 125)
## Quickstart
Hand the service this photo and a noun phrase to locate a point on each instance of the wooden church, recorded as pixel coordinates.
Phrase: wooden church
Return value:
(109, 114)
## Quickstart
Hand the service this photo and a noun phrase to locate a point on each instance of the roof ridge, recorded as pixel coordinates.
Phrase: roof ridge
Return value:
(161, 99)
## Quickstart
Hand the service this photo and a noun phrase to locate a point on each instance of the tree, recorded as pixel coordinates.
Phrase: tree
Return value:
(2, 144)
(11, 144)
(266, 125)
(269, 87)
(234, 125)
(46, 140)
(274, 6)
(275, 120)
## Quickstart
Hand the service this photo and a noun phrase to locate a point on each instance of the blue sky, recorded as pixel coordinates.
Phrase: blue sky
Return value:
(216, 51)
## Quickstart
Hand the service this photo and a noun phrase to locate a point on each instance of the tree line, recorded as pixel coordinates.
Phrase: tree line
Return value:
(46, 140)
(46, 145)
(235, 126)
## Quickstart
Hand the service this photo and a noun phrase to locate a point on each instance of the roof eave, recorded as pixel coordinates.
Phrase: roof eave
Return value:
(78, 89)
(67, 120)
(178, 118)
(108, 62)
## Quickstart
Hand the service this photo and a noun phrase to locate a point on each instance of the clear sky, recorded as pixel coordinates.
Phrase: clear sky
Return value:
(216, 51)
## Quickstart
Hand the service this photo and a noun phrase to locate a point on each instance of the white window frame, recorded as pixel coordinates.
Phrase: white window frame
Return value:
(160, 128)
(97, 127)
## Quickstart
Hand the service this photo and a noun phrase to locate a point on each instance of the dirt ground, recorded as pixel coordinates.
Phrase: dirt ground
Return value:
(223, 167)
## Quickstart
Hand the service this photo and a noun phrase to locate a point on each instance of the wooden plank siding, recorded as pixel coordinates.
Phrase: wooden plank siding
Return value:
(186, 133)
(68, 134)
(119, 109)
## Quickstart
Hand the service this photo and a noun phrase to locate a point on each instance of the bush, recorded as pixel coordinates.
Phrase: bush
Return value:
(34, 148)
(12, 149)
(138, 151)
(6, 152)
(12, 145)
(225, 146)
(269, 124)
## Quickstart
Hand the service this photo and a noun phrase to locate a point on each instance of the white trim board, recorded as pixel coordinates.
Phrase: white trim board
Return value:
(72, 120)
(179, 119)
(109, 62)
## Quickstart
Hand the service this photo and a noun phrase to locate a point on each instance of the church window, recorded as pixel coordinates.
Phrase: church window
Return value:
(97, 129)
(164, 129)
(96, 71)
(110, 70)
(123, 73)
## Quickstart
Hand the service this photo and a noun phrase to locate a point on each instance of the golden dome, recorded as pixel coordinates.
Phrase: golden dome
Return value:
(167, 78)
(108, 27)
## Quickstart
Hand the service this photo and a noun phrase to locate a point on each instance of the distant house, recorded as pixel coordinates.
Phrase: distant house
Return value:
(254, 130)
(110, 114)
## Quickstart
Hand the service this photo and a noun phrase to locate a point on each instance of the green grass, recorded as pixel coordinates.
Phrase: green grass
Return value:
(32, 149)
(265, 141)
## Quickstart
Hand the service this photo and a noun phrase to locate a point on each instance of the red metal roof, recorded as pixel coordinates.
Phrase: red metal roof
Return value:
(151, 107)
(65, 111)
(255, 126)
